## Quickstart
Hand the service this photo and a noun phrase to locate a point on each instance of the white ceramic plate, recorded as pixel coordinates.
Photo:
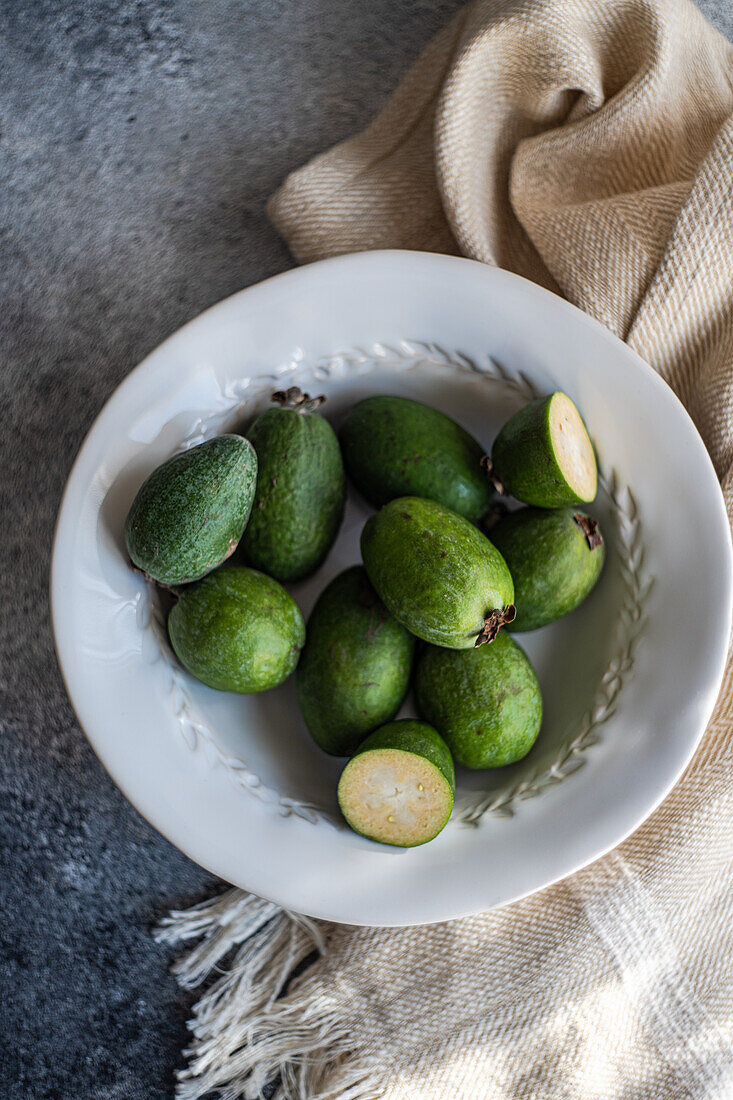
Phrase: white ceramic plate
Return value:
(629, 679)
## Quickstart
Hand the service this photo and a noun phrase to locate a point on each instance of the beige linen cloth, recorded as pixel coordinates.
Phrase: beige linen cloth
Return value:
(588, 145)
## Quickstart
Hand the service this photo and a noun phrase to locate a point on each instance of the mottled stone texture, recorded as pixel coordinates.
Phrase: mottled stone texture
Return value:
(139, 140)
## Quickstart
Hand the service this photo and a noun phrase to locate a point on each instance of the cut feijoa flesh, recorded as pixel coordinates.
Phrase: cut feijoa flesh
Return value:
(398, 789)
(397, 447)
(543, 455)
(436, 573)
(485, 702)
(555, 558)
(356, 665)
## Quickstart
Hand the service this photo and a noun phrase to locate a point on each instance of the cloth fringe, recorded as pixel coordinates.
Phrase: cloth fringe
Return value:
(246, 1033)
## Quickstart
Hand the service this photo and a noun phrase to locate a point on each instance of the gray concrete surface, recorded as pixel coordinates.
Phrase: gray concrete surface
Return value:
(139, 140)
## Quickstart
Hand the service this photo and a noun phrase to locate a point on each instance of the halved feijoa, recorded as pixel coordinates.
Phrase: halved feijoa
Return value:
(398, 788)
(543, 455)
(555, 558)
(397, 447)
(485, 702)
(189, 515)
(437, 574)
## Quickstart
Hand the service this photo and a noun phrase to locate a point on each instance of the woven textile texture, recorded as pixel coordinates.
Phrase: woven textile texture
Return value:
(587, 146)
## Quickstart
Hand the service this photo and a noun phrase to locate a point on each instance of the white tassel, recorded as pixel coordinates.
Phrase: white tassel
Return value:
(244, 1033)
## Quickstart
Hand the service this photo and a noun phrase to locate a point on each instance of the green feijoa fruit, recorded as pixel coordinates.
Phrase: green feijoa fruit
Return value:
(399, 787)
(485, 702)
(396, 447)
(301, 489)
(543, 455)
(437, 574)
(555, 558)
(189, 515)
(237, 630)
(355, 668)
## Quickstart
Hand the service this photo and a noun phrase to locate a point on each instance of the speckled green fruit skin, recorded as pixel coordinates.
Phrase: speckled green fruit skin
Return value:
(550, 561)
(237, 630)
(301, 491)
(437, 574)
(356, 665)
(409, 735)
(396, 447)
(523, 459)
(189, 515)
(485, 702)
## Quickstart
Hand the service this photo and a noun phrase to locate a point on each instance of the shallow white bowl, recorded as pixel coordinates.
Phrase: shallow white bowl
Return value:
(629, 679)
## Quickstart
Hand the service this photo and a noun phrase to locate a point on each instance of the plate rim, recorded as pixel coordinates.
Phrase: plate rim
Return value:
(132, 379)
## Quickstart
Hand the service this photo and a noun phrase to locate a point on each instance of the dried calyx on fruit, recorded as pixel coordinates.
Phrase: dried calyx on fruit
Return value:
(294, 398)
(590, 529)
(493, 623)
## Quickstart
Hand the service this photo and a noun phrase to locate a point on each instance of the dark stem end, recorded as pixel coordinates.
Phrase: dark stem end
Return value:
(493, 623)
(294, 398)
(488, 467)
(589, 527)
